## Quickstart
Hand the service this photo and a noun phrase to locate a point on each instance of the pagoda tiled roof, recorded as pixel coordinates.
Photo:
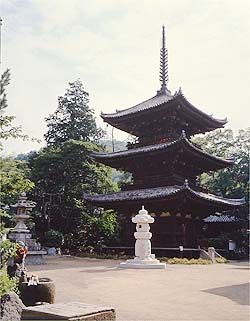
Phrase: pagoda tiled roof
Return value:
(156, 101)
(222, 218)
(145, 150)
(162, 193)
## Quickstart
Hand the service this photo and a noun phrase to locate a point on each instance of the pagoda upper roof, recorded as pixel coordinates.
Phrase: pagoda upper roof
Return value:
(166, 193)
(162, 102)
(205, 160)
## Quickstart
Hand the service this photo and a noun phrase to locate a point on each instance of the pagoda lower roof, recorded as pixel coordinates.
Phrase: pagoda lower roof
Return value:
(162, 101)
(222, 218)
(119, 159)
(163, 194)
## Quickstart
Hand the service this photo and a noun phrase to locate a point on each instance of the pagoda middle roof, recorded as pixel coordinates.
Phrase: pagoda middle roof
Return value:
(163, 193)
(114, 159)
(162, 100)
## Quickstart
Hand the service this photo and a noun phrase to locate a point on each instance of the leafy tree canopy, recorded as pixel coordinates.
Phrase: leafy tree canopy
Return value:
(13, 179)
(234, 181)
(62, 173)
(73, 118)
(68, 169)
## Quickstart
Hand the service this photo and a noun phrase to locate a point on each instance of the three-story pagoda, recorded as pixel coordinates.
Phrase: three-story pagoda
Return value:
(165, 165)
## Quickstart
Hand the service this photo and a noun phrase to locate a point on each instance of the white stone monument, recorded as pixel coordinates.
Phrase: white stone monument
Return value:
(143, 257)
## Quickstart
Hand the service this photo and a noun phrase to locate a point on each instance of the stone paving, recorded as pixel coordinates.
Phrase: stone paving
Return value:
(181, 292)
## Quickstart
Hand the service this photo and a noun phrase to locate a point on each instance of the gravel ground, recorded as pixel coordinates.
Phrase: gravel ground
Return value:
(181, 292)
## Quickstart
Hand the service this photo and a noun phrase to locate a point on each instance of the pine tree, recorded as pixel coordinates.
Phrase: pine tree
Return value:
(73, 119)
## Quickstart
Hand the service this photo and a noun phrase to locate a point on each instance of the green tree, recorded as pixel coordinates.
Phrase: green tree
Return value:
(232, 181)
(13, 179)
(7, 250)
(73, 119)
(66, 171)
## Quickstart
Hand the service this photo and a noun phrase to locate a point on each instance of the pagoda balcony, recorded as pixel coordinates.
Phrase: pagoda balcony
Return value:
(152, 141)
(151, 182)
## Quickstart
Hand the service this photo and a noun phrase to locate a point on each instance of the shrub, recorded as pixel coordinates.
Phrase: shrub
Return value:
(7, 284)
(54, 238)
(8, 250)
(221, 259)
(177, 260)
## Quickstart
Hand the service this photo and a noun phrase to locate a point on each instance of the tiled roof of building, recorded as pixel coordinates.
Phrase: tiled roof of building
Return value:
(158, 100)
(223, 218)
(161, 193)
(155, 101)
(160, 147)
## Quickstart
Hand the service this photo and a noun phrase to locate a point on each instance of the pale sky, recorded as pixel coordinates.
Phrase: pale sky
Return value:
(113, 47)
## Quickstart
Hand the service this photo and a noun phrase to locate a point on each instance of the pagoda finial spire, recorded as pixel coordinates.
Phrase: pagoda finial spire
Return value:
(163, 65)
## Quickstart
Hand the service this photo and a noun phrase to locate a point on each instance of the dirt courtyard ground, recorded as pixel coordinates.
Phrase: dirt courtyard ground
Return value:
(181, 292)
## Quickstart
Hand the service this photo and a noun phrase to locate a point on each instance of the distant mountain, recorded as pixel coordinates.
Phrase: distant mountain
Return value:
(118, 145)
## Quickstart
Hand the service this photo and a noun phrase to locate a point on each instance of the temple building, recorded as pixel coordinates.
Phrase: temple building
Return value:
(165, 165)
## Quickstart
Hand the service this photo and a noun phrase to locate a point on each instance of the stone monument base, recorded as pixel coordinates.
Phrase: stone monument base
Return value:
(73, 311)
(136, 263)
(35, 257)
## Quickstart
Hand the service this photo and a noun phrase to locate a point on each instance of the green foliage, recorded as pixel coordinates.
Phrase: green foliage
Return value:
(54, 238)
(177, 260)
(67, 171)
(105, 256)
(95, 228)
(8, 250)
(7, 284)
(3, 230)
(64, 170)
(13, 179)
(221, 259)
(231, 182)
(73, 118)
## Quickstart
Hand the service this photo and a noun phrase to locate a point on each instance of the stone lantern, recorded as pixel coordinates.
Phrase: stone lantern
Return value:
(143, 257)
(20, 231)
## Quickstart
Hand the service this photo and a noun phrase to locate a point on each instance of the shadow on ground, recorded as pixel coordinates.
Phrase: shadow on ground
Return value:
(238, 293)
